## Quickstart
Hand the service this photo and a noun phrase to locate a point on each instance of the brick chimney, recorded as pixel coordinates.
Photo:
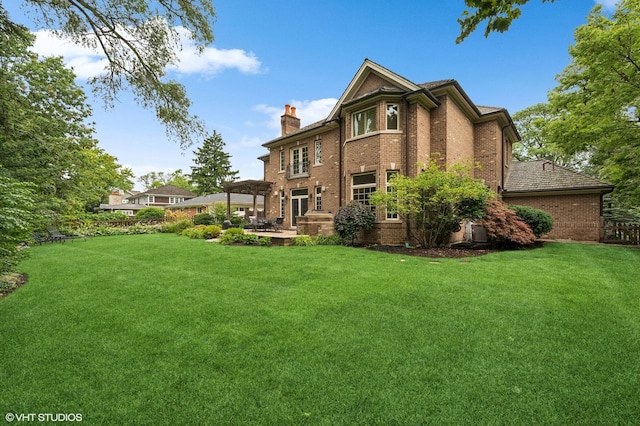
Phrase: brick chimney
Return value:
(290, 123)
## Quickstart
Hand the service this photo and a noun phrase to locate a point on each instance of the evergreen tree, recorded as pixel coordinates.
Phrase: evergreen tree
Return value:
(213, 167)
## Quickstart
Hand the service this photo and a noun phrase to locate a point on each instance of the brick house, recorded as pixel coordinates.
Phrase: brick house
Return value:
(382, 124)
(574, 200)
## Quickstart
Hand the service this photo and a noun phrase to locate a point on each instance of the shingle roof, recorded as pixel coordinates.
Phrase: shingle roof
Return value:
(544, 175)
(204, 200)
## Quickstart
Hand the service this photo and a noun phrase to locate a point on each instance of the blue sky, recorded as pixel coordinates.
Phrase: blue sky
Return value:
(305, 53)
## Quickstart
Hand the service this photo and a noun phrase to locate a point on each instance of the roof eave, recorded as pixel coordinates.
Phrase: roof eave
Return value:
(559, 191)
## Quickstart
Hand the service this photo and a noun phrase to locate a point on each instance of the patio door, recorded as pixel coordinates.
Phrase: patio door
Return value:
(299, 203)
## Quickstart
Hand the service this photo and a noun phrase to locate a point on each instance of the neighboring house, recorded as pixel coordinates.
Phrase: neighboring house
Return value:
(384, 124)
(242, 204)
(163, 196)
(119, 196)
(160, 197)
(574, 200)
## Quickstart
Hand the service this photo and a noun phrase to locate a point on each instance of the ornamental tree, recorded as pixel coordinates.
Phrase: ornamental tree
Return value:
(504, 227)
(351, 219)
(435, 202)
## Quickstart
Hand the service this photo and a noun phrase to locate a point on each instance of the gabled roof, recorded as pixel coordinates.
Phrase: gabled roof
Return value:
(425, 93)
(369, 67)
(544, 176)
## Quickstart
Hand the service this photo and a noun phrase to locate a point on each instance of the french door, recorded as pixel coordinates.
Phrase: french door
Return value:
(299, 204)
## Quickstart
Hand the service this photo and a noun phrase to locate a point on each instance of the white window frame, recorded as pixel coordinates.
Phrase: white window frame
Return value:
(362, 192)
(393, 107)
(318, 152)
(367, 118)
(301, 166)
(318, 198)
(151, 199)
(175, 200)
(282, 161)
(390, 174)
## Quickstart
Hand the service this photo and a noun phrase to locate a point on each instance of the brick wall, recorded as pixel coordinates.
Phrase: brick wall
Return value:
(324, 175)
(488, 152)
(575, 217)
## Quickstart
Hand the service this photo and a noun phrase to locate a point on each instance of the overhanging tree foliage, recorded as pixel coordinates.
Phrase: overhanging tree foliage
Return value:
(597, 101)
(435, 201)
(499, 14)
(45, 136)
(140, 40)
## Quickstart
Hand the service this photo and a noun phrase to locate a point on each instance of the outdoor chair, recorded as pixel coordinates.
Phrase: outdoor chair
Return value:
(277, 224)
(38, 239)
(58, 237)
(55, 235)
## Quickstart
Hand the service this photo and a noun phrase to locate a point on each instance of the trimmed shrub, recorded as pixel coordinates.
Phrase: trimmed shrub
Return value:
(237, 236)
(232, 235)
(203, 219)
(504, 227)
(303, 240)
(212, 231)
(329, 240)
(538, 220)
(264, 241)
(352, 218)
(150, 213)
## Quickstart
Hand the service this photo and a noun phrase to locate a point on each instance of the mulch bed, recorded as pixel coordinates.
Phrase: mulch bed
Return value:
(436, 252)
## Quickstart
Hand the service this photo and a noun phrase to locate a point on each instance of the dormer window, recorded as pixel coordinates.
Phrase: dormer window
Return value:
(364, 122)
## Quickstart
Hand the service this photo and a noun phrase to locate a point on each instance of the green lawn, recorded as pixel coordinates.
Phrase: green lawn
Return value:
(160, 329)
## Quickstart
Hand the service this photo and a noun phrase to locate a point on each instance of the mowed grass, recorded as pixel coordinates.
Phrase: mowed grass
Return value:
(160, 329)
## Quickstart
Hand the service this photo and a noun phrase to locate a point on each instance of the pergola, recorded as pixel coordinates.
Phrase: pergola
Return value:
(252, 187)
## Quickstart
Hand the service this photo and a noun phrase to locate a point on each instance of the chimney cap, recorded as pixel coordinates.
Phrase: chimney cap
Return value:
(287, 109)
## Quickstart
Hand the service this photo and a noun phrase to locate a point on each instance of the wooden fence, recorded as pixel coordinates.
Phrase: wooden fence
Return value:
(622, 233)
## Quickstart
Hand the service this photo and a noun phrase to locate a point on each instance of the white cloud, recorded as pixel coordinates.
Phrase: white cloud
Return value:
(307, 111)
(89, 63)
(213, 60)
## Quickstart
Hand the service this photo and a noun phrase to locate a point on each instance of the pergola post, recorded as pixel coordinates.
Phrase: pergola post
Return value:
(253, 187)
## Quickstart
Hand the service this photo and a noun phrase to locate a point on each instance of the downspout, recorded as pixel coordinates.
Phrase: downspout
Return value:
(340, 159)
(405, 159)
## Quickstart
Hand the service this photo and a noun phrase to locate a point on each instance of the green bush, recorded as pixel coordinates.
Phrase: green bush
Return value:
(303, 240)
(212, 231)
(351, 219)
(232, 235)
(17, 220)
(237, 236)
(195, 232)
(176, 227)
(203, 219)
(328, 240)
(538, 220)
(264, 241)
(150, 213)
